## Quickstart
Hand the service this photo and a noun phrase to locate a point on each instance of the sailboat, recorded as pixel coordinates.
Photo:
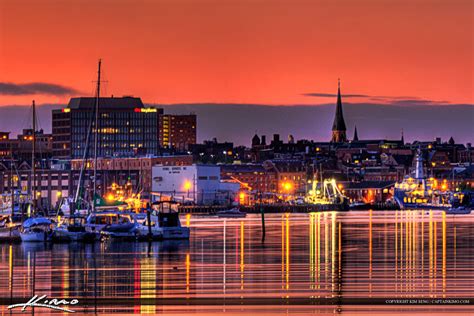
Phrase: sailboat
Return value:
(77, 227)
(35, 228)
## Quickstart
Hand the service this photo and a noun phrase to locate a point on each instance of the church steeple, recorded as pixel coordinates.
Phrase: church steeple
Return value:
(339, 126)
(356, 137)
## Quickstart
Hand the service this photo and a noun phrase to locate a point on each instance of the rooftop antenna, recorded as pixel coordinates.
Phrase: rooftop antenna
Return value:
(96, 138)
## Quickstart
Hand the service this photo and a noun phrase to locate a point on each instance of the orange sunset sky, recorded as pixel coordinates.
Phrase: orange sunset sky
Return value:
(242, 51)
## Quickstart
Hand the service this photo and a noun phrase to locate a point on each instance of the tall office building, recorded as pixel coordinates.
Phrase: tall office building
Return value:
(125, 128)
(177, 131)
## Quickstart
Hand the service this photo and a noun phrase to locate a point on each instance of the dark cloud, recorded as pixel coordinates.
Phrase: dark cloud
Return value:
(377, 99)
(327, 95)
(411, 102)
(7, 88)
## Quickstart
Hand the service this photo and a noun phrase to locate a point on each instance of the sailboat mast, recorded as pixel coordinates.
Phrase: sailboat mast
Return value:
(33, 167)
(96, 138)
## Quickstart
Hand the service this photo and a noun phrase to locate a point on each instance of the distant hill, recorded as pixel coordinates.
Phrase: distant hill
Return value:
(239, 122)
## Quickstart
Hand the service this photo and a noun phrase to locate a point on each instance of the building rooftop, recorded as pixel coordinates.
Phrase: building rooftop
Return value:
(87, 103)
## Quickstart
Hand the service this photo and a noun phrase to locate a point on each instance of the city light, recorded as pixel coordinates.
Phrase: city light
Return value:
(145, 110)
(110, 197)
(187, 185)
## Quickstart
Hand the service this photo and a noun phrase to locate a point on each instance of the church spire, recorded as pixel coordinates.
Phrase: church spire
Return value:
(356, 137)
(339, 126)
(403, 138)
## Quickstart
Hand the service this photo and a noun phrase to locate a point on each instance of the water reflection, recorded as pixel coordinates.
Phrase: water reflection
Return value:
(318, 255)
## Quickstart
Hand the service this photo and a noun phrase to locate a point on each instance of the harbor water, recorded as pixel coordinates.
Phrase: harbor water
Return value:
(357, 262)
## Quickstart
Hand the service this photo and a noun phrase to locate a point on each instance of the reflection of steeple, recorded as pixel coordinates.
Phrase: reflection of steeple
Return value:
(339, 126)
(356, 137)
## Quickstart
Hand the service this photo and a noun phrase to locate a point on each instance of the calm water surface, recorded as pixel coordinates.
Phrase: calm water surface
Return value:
(321, 263)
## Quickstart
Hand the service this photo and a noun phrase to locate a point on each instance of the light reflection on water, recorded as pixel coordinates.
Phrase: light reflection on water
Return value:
(364, 255)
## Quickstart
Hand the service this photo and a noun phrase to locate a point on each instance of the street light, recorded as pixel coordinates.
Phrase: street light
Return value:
(187, 186)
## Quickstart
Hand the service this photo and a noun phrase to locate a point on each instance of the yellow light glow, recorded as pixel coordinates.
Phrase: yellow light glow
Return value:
(187, 185)
(287, 186)
(110, 197)
(58, 194)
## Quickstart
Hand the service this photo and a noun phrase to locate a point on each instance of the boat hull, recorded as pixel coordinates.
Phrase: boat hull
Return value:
(175, 233)
(67, 236)
(9, 234)
(34, 236)
(143, 233)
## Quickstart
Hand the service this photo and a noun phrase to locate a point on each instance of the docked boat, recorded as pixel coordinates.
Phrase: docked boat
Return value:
(148, 230)
(232, 213)
(458, 210)
(114, 225)
(73, 229)
(326, 195)
(168, 221)
(419, 192)
(9, 230)
(358, 206)
(36, 229)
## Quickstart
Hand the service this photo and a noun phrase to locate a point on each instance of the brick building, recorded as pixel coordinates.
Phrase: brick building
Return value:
(177, 131)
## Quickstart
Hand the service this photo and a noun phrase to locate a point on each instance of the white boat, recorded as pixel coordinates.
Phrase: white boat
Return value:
(9, 231)
(416, 191)
(144, 229)
(232, 213)
(458, 210)
(36, 229)
(116, 224)
(73, 229)
(95, 222)
(167, 219)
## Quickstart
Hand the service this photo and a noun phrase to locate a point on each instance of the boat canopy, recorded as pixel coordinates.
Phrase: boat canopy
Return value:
(36, 221)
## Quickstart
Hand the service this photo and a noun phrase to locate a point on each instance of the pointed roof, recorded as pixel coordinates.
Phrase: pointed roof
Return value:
(356, 137)
(339, 124)
(255, 140)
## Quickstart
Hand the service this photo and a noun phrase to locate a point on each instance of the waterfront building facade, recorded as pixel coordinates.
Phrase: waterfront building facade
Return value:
(135, 172)
(22, 147)
(196, 184)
